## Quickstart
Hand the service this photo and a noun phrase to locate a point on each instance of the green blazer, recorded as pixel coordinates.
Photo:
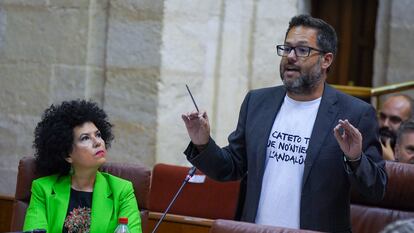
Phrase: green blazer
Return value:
(112, 198)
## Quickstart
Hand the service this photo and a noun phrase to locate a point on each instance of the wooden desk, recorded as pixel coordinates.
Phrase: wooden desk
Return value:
(178, 223)
(172, 223)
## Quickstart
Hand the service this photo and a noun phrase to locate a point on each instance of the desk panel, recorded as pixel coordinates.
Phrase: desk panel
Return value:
(178, 224)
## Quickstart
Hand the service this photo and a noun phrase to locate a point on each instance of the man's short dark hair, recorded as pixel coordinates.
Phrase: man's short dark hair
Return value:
(406, 127)
(326, 39)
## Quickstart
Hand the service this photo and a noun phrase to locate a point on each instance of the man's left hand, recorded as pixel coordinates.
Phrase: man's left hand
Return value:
(349, 139)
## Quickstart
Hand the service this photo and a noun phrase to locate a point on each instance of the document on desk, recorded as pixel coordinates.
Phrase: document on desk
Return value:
(197, 179)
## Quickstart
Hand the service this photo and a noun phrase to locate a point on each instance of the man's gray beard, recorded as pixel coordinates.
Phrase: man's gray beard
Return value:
(305, 84)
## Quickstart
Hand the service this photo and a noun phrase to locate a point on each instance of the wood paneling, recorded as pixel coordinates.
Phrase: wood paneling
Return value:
(354, 22)
(179, 224)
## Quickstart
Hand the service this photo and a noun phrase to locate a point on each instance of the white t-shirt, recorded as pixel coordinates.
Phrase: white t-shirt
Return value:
(279, 203)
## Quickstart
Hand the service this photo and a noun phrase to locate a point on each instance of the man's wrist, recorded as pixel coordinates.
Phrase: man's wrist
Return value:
(200, 148)
(352, 164)
(346, 159)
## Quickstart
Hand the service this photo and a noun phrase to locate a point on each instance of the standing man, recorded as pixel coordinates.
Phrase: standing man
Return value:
(299, 146)
(395, 110)
(404, 147)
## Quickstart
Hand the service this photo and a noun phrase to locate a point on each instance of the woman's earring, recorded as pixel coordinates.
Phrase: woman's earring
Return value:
(71, 171)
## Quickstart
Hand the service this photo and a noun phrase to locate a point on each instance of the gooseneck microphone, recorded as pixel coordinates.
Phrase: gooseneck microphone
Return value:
(190, 174)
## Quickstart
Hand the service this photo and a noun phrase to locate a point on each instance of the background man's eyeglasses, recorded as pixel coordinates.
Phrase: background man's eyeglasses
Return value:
(300, 51)
(393, 119)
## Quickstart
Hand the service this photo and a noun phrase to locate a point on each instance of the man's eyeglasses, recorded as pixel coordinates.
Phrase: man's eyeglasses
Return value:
(393, 119)
(300, 51)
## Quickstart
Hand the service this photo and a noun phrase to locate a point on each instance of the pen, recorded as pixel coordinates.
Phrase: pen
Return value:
(192, 98)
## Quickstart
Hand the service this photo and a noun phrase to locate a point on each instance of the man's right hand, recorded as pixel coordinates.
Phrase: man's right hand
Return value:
(198, 127)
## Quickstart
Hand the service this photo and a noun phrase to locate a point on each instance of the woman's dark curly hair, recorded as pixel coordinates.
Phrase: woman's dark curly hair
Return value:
(53, 136)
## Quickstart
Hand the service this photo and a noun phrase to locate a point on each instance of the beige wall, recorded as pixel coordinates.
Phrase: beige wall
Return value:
(54, 50)
(393, 56)
(221, 53)
(134, 58)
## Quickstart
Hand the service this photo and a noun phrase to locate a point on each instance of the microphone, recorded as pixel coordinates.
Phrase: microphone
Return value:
(190, 174)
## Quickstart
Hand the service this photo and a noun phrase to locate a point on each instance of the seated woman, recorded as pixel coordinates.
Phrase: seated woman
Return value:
(70, 145)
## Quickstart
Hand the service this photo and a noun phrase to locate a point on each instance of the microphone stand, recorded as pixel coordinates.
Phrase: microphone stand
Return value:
(190, 174)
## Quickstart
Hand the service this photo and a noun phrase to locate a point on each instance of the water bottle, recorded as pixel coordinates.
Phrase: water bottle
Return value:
(122, 226)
